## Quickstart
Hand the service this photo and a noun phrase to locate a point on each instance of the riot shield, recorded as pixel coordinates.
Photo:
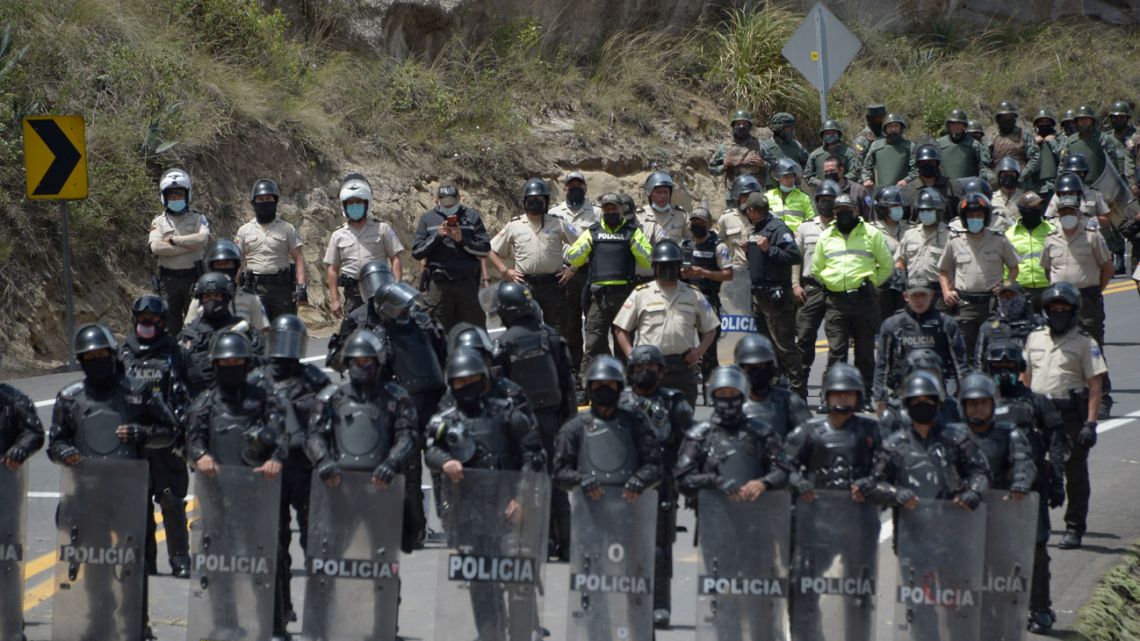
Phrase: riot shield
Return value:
(490, 580)
(233, 547)
(940, 556)
(742, 584)
(13, 522)
(100, 570)
(834, 568)
(1011, 533)
(611, 566)
(353, 567)
(736, 318)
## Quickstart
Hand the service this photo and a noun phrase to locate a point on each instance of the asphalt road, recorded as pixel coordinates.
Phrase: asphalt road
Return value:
(1114, 520)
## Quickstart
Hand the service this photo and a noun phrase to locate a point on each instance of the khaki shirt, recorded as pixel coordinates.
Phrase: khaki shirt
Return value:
(673, 224)
(1057, 364)
(975, 262)
(581, 218)
(193, 232)
(921, 250)
(671, 321)
(894, 235)
(734, 227)
(267, 248)
(247, 306)
(1075, 259)
(351, 249)
(535, 251)
(1007, 206)
(1092, 204)
(807, 235)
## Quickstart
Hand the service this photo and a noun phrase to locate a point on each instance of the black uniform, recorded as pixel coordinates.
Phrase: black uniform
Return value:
(452, 269)
(588, 438)
(704, 256)
(896, 417)
(1000, 328)
(1009, 456)
(779, 408)
(905, 331)
(195, 369)
(726, 455)
(157, 363)
(829, 458)
(946, 464)
(21, 432)
(772, 302)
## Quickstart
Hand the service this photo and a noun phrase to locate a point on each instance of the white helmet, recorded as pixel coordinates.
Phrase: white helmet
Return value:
(174, 178)
(355, 187)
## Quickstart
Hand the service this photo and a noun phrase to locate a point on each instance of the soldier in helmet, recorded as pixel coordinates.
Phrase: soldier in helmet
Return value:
(787, 201)
(670, 415)
(274, 260)
(660, 218)
(223, 255)
(151, 355)
(782, 144)
(962, 155)
(177, 238)
(807, 290)
(1067, 365)
(452, 239)
(1097, 146)
(1038, 419)
(1094, 211)
(975, 130)
(875, 115)
(672, 315)
(1050, 144)
(1012, 141)
(709, 265)
(1004, 444)
(831, 137)
(734, 226)
(774, 404)
(739, 156)
(891, 219)
(928, 162)
(1069, 124)
(922, 245)
(970, 270)
(1012, 320)
(1120, 117)
(215, 294)
(359, 241)
(535, 241)
(297, 384)
(890, 159)
(1005, 198)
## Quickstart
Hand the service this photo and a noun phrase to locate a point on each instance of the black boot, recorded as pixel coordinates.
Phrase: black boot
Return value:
(1071, 540)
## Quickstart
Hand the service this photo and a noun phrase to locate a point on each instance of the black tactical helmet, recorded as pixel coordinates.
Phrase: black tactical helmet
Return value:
(1009, 163)
(222, 249)
(1120, 108)
(94, 337)
(149, 304)
(666, 251)
(1069, 182)
(1076, 163)
(929, 198)
(1004, 351)
(975, 127)
(895, 118)
(744, 185)
(399, 297)
(828, 188)
(513, 302)
(785, 166)
(728, 376)
(831, 125)
(658, 179)
(978, 386)
(922, 358)
(927, 152)
(889, 196)
(957, 115)
(646, 355)
(1005, 107)
(628, 206)
(536, 187)
(973, 201)
(754, 349)
(1045, 114)
(288, 337)
(975, 185)
(231, 345)
(842, 377)
(466, 362)
(470, 336)
(920, 384)
(1069, 116)
(605, 368)
(1063, 292)
(1084, 111)
(264, 187)
(739, 115)
(374, 278)
(366, 344)
(214, 282)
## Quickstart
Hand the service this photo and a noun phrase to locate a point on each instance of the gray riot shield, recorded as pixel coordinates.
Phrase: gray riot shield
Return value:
(611, 566)
(736, 318)
(834, 568)
(742, 584)
(13, 522)
(233, 548)
(100, 570)
(490, 579)
(353, 585)
(1011, 533)
(940, 557)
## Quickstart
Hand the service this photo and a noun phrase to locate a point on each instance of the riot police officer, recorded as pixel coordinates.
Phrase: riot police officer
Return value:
(709, 265)
(215, 294)
(150, 355)
(776, 405)
(297, 384)
(1012, 320)
(466, 335)
(223, 255)
(177, 238)
(1004, 445)
(671, 416)
(922, 359)
(21, 436)
(274, 259)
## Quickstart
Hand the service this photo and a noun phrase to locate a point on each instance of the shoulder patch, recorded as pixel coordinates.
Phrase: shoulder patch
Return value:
(1095, 351)
(641, 287)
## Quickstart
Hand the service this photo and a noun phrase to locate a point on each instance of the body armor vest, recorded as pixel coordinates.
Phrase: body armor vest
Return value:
(414, 360)
(1093, 151)
(1048, 168)
(610, 257)
(96, 421)
(924, 468)
(917, 333)
(839, 456)
(608, 450)
(738, 454)
(493, 449)
(154, 367)
(704, 255)
(532, 366)
(734, 159)
(994, 445)
(362, 431)
(773, 410)
(958, 158)
(228, 429)
(892, 162)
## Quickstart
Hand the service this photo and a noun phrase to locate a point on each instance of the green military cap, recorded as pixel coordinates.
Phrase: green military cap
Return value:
(1120, 108)
(741, 114)
(781, 119)
(957, 115)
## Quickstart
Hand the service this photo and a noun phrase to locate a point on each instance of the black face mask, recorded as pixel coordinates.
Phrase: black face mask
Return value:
(604, 396)
(668, 271)
(846, 220)
(575, 197)
(282, 368)
(215, 309)
(361, 375)
(1007, 181)
(825, 208)
(1060, 321)
(1006, 125)
(469, 397)
(265, 211)
(1119, 126)
(973, 420)
(729, 409)
(1006, 380)
(830, 139)
(894, 138)
(698, 229)
(1070, 129)
(1012, 308)
(1030, 218)
(645, 379)
(740, 133)
(928, 171)
(535, 206)
(760, 378)
(832, 175)
(612, 220)
(230, 378)
(787, 135)
(1047, 130)
(924, 413)
(957, 137)
(100, 371)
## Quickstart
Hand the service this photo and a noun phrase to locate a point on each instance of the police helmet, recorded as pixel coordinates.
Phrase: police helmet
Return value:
(974, 201)
(1004, 351)
(831, 125)
(214, 283)
(94, 337)
(231, 345)
(513, 302)
(264, 187)
(374, 278)
(973, 184)
(1120, 108)
(536, 187)
(222, 250)
(466, 362)
(828, 188)
(929, 198)
(977, 386)
(1045, 114)
(1068, 182)
(893, 118)
(739, 115)
(754, 349)
(927, 153)
(842, 377)
(975, 127)
(1006, 108)
(1076, 163)
(784, 167)
(920, 383)
(646, 355)
(666, 251)
(658, 179)
(957, 115)
(1064, 292)
(399, 297)
(1084, 111)
(355, 186)
(605, 368)
(365, 343)
(1009, 163)
(149, 304)
(728, 376)
(744, 185)
(922, 358)
(175, 179)
(288, 337)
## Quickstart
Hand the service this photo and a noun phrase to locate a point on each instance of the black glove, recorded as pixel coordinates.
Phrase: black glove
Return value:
(867, 288)
(864, 485)
(135, 434)
(970, 498)
(802, 486)
(635, 485)
(301, 294)
(589, 484)
(328, 470)
(68, 451)
(384, 473)
(16, 454)
(728, 486)
(1086, 438)
(904, 496)
(1057, 493)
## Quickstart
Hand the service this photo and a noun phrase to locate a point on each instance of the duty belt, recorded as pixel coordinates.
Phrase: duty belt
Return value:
(166, 272)
(976, 297)
(279, 278)
(540, 279)
(1093, 291)
(676, 360)
(347, 281)
(808, 281)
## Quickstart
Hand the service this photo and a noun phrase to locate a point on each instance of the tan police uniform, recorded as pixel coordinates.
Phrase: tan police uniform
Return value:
(268, 256)
(1092, 205)
(537, 249)
(1000, 222)
(179, 265)
(246, 306)
(920, 251)
(975, 264)
(1007, 205)
(672, 321)
(1078, 259)
(350, 249)
(809, 316)
(890, 292)
(734, 228)
(658, 226)
(581, 219)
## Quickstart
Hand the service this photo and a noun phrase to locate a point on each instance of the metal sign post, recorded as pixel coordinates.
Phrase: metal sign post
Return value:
(821, 49)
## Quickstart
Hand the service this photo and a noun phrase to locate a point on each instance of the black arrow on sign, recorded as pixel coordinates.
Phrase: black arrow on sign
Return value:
(66, 157)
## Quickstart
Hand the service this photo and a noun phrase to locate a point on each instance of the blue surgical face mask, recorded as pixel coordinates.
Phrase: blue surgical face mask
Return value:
(355, 211)
(661, 208)
(176, 206)
(927, 216)
(975, 225)
(449, 211)
(787, 189)
(896, 214)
